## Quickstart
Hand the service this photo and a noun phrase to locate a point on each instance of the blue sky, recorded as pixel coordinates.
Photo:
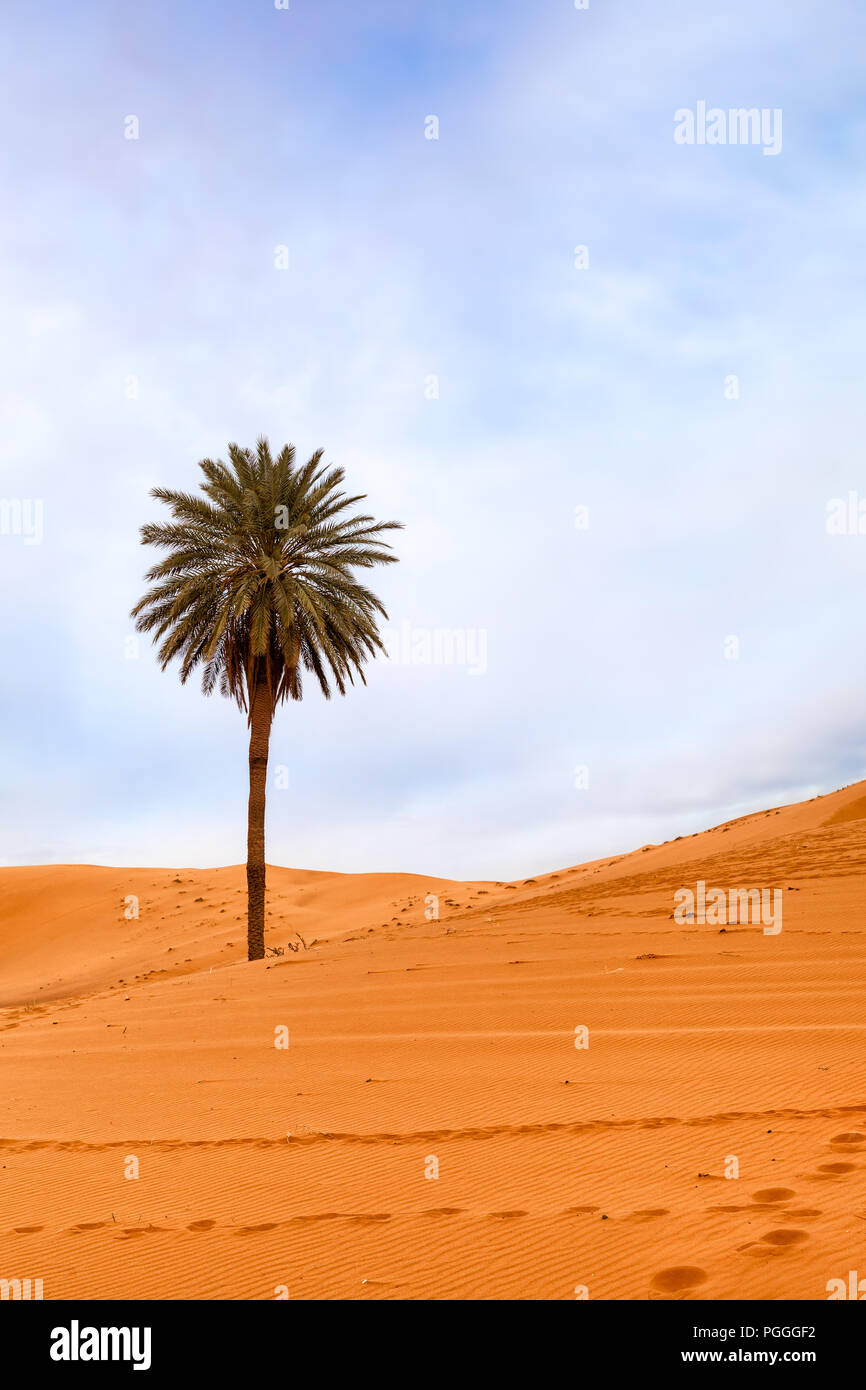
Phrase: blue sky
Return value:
(152, 262)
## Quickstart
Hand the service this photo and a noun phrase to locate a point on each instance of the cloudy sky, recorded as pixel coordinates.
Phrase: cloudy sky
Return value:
(693, 379)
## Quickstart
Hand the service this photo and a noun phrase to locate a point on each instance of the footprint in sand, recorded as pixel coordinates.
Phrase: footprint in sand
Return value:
(650, 1213)
(679, 1278)
(851, 1140)
(770, 1195)
(834, 1169)
(774, 1242)
(764, 1197)
(201, 1225)
(785, 1237)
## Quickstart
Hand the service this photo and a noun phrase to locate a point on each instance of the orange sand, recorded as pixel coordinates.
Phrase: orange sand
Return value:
(452, 1039)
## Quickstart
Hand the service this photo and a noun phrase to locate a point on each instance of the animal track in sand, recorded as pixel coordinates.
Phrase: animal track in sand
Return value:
(769, 1195)
(834, 1169)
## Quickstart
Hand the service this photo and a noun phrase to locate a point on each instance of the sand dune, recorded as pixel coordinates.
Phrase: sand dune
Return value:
(416, 1042)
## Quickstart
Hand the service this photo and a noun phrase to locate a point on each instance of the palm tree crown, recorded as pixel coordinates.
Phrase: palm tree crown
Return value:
(257, 585)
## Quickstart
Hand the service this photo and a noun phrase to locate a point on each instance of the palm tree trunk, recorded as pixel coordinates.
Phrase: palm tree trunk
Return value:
(261, 714)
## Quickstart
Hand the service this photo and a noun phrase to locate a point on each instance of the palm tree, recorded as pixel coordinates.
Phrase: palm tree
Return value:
(258, 587)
